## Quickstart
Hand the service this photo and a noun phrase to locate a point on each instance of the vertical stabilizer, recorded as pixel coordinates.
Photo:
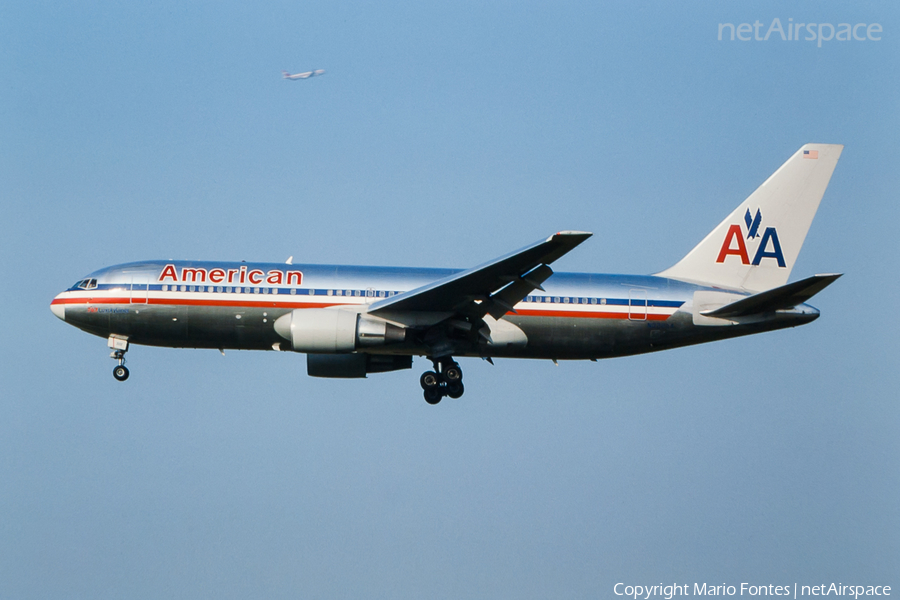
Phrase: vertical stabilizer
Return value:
(755, 248)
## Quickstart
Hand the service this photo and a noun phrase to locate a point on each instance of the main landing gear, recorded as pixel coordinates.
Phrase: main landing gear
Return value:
(445, 380)
(120, 347)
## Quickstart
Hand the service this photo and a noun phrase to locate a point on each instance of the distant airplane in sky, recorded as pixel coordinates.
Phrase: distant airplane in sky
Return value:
(354, 320)
(307, 75)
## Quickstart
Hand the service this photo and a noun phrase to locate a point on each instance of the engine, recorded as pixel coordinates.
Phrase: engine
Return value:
(335, 331)
(358, 364)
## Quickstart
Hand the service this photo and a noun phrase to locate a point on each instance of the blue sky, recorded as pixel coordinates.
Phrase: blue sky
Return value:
(441, 135)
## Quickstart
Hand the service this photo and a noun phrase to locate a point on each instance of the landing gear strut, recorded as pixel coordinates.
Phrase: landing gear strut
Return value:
(120, 347)
(445, 380)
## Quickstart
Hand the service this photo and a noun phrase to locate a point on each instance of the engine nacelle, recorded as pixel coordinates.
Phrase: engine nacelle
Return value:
(354, 365)
(335, 331)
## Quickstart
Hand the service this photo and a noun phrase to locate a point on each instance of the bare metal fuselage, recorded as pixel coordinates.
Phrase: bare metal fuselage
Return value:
(577, 316)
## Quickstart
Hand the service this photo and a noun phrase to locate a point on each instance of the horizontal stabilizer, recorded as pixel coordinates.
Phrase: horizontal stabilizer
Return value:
(781, 298)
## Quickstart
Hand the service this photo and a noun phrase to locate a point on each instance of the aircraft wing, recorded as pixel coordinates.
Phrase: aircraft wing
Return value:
(780, 298)
(492, 288)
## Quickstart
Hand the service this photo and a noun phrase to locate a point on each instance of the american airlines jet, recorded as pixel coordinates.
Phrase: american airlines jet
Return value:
(354, 320)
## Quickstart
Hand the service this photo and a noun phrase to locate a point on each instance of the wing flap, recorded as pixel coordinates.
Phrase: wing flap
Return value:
(504, 300)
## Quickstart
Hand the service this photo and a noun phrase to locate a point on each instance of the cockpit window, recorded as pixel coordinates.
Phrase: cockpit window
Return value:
(85, 284)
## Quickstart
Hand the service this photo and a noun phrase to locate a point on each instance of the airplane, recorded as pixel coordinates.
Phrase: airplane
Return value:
(306, 75)
(352, 321)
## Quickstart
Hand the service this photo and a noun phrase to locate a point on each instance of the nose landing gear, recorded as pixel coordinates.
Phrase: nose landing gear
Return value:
(445, 380)
(120, 372)
(120, 347)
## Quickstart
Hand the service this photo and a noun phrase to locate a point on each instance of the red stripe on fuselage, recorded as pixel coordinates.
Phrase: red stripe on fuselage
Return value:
(588, 315)
(524, 312)
(183, 302)
(92, 301)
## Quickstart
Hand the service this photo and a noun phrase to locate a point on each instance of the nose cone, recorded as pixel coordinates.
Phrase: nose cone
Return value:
(58, 308)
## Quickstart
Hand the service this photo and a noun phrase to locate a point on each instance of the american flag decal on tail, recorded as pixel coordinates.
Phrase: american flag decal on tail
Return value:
(810, 154)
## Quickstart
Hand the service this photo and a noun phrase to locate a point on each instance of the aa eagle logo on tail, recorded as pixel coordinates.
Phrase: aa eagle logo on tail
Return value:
(734, 245)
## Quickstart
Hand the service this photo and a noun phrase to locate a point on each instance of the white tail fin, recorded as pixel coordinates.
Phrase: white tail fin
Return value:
(755, 248)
